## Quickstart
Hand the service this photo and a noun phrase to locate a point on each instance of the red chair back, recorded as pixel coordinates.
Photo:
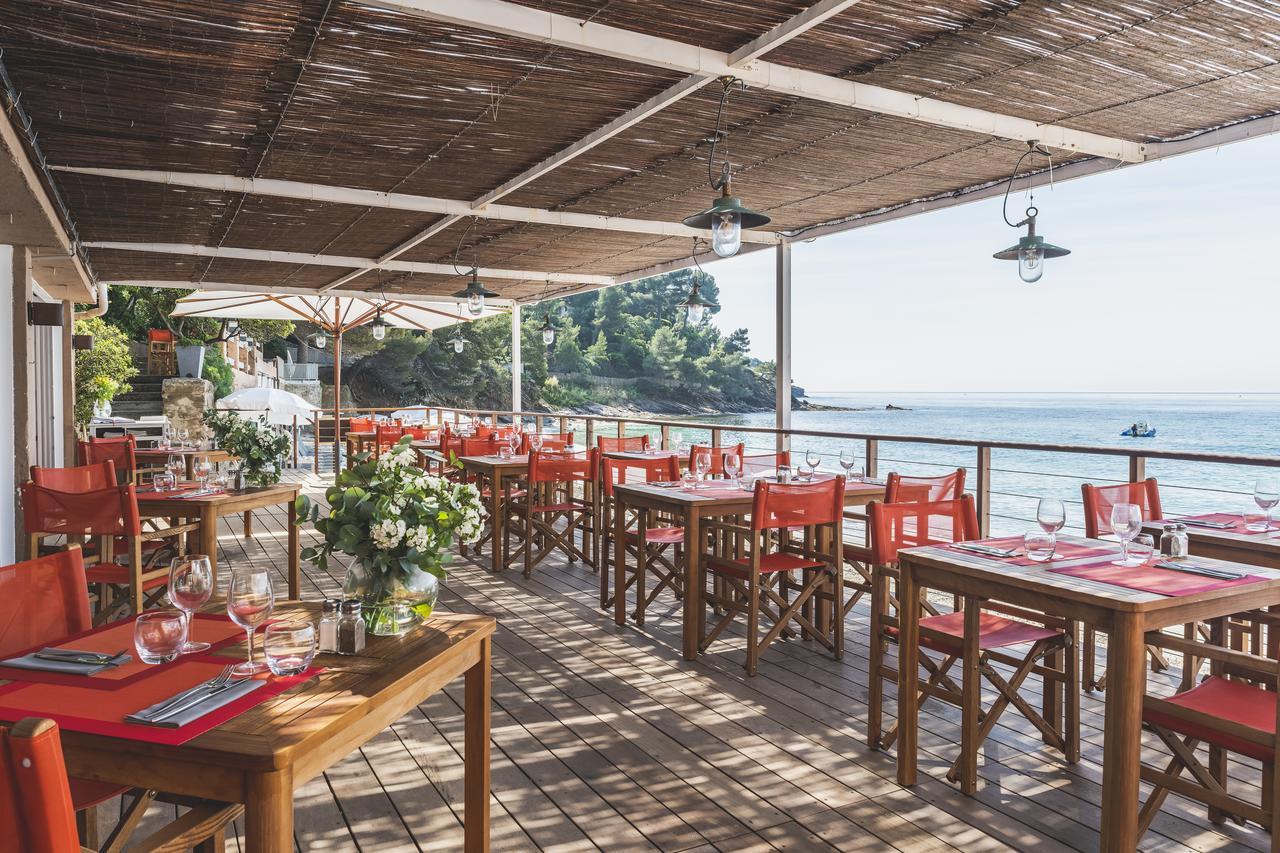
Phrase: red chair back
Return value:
(36, 809)
(121, 451)
(481, 430)
(908, 525)
(764, 463)
(361, 425)
(44, 600)
(717, 456)
(389, 434)
(551, 441)
(777, 505)
(551, 466)
(78, 478)
(900, 489)
(615, 472)
(418, 433)
(450, 443)
(480, 446)
(112, 511)
(1098, 501)
(625, 444)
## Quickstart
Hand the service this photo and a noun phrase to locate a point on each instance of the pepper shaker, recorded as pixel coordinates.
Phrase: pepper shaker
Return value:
(1174, 542)
(351, 628)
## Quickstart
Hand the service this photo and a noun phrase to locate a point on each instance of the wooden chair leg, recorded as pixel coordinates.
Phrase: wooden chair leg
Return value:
(875, 686)
(971, 694)
(753, 624)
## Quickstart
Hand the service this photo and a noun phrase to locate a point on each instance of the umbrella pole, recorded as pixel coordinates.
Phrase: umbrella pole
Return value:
(337, 401)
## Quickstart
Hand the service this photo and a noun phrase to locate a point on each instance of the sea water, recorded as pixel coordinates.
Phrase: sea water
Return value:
(1237, 424)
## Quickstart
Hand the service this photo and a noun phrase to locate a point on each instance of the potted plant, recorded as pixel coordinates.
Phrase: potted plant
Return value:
(258, 447)
(190, 358)
(398, 522)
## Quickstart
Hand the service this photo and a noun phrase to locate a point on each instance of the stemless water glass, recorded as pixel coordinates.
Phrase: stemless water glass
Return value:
(158, 635)
(1266, 494)
(1142, 549)
(1051, 515)
(289, 647)
(250, 601)
(163, 481)
(731, 463)
(1040, 545)
(1126, 522)
(814, 459)
(190, 586)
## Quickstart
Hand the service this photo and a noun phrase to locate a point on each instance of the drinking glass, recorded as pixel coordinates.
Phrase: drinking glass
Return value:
(731, 463)
(847, 460)
(814, 459)
(184, 436)
(204, 468)
(702, 464)
(1040, 545)
(535, 441)
(163, 481)
(505, 451)
(250, 601)
(190, 585)
(687, 481)
(1126, 522)
(1051, 515)
(176, 466)
(1266, 494)
(804, 472)
(513, 441)
(1142, 549)
(677, 439)
(158, 635)
(289, 647)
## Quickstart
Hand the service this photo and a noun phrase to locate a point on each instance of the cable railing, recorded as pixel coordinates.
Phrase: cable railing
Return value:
(1006, 493)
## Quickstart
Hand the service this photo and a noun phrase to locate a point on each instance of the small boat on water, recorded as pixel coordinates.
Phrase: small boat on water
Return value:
(1141, 429)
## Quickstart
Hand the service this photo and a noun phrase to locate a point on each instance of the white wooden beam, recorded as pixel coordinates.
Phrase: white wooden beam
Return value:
(524, 22)
(342, 261)
(782, 344)
(517, 362)
(403, 201)
(789, 29)
(395, 295)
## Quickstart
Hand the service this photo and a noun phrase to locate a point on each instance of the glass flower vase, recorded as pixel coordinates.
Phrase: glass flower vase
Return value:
(392, 603)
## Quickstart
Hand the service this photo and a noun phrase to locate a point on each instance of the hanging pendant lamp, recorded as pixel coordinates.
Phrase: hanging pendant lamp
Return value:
(378, 327)
(475, 294)
(548, 331)
(1031, 250)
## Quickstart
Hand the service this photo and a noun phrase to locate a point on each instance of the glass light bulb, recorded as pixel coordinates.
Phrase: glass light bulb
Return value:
(726, 234)
(1030, 264)
(694, 313)
(475, 303)
(458, 344)
(548, 336)
(319, 342)
(379, 329)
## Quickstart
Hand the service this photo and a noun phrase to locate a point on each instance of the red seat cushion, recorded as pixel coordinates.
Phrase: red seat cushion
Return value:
(782, 561)
(994, 631)
(115, 573)
(86, 792)
(661, 535)
(1232, 701)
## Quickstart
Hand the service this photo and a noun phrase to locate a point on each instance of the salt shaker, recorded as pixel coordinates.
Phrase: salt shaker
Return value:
(329, 624)
(1173, 541)
(351, 629)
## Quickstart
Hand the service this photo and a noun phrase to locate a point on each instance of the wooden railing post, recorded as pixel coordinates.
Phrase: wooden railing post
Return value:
(666, 436)
(315, 443)
(983, 489)
(1137, 468)
(716, 436)
(295, 441)
(872, 469)
(622, 428)
(589, 432)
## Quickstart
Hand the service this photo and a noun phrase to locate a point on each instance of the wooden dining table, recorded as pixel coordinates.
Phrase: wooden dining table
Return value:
(689, 507)
(260, 757)
(1256, 549)
(1126, 615)
(209, 508)
(156, 456)
(498, 471)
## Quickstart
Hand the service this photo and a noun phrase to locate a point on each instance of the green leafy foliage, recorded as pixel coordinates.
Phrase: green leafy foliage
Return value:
(134, 310)
(103, 372)
(217, 371)
(258, 446)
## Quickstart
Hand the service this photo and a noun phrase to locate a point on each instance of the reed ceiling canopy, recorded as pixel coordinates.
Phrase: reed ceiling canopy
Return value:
(558, 144)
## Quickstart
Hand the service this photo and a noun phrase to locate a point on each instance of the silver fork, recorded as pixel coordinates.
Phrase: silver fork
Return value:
(214, 683)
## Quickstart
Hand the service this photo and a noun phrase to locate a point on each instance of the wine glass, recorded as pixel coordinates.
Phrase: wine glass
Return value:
(184, 436)
(513, 440)
(190, 585)
(203, 470)
(702, 463)
(847, 460)
(677, 439)
(1266, 494)
(731, 463)
(814, 459)
(1051, 515)
(535, 441)
(177, 467)
(1126, 523)
(250, 601)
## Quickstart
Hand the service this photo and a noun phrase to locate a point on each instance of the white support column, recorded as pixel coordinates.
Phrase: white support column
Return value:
(782, 342)
(517, 366)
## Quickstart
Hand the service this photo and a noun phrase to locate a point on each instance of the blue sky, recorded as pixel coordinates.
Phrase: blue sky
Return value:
(1171, 286)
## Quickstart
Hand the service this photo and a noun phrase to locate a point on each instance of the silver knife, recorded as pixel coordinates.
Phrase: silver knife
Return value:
(1203, 571)
(1216, 525)
(985, 550)
(185, 706)
(87, 658)
(202, 687)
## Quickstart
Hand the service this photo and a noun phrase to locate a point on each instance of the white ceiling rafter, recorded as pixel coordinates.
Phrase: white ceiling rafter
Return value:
(500, 16)
(185, 284)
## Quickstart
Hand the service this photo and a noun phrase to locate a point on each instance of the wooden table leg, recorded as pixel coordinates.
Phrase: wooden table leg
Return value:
(248, 524)
(692, 584)
(497, 522)
(189, 461)
(295, 569)
(908, 667)
(619, 562)
(1122, 735)
(209, 538)
(268, 812)
(476, 755)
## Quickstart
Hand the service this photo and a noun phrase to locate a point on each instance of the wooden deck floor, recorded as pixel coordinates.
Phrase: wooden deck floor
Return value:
(604, 738)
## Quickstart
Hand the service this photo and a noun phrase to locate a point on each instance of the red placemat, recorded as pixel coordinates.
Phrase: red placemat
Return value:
(219, 631)
(1233, 518)
(1064, 551)
(1151, 579)
(102, 713)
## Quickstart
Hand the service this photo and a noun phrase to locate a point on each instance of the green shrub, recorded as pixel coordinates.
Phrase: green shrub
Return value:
(102, 373)
(217, 371)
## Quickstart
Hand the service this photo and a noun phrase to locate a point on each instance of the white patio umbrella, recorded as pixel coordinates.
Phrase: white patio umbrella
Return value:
(280, 407)
(334, 314)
